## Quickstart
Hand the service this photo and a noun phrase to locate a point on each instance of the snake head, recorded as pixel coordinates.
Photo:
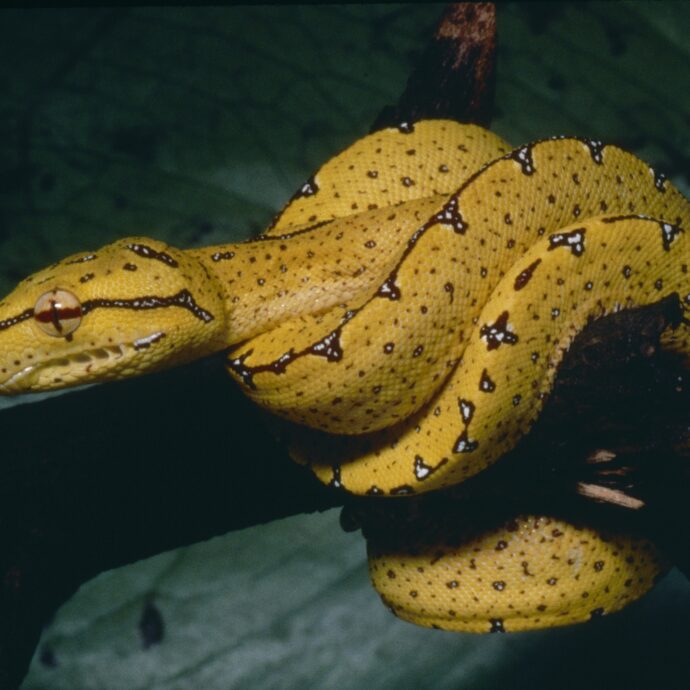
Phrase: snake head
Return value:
(134, 306)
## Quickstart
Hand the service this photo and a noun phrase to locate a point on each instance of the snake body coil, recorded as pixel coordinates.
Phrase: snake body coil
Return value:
(407, 311)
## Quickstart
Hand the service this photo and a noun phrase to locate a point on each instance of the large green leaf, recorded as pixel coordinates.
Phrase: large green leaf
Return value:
(195, 126)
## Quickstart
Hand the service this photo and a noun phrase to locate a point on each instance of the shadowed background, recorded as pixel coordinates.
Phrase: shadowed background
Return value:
(195, 126)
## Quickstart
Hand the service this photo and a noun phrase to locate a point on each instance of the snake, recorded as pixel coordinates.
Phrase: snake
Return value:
(405, 316)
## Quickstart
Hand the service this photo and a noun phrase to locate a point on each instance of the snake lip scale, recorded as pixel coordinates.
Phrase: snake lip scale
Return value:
(91, 362)
(405, 314)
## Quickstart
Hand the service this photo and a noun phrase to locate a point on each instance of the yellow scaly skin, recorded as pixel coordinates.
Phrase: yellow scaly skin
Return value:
(530, 572)
(412, 301)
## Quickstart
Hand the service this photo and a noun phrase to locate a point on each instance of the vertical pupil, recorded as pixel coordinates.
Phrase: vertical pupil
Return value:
(55, 316)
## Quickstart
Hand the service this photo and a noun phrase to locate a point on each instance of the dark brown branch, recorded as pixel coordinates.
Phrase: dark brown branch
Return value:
(455, 77)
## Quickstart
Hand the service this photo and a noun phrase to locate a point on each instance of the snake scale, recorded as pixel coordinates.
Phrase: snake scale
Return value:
(406, 312)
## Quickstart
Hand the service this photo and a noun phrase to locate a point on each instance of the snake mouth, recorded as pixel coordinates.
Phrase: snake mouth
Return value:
(82, 367)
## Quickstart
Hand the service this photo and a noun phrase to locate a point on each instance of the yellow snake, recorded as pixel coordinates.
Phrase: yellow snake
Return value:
(407, 312)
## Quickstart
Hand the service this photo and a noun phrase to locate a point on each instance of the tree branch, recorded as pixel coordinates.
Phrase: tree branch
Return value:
(455, 76)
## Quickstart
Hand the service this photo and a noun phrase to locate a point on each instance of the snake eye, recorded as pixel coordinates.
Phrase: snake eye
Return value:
(58, 313)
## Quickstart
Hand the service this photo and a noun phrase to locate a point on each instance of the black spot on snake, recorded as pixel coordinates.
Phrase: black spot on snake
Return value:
(465, 444)
(404, 490)
(422, 470)
(498, 333)
(574, 240)
(596, 150)
(222, 256)
(309, 188)
(496, 625)
(668, 234)
(467, 409)
(182, 299)
(336, 482)
(389, 290)
(523, 156)
(82, 259)
(486, 385)
(329, 347)
(524, 277)
(659, 180)
(450, 215)
(150, 253)
(245, 373)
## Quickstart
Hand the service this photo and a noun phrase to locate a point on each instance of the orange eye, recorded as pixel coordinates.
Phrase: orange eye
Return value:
(58, 313)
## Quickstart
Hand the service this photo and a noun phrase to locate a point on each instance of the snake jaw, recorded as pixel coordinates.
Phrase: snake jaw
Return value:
(96, 363)
(9, 387)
